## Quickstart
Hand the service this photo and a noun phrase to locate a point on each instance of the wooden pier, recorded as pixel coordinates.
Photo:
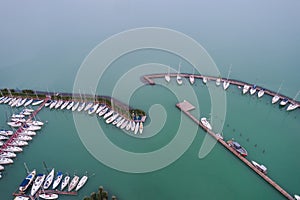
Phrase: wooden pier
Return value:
(149, 79)
(36, 196)
(185, 107)
(20, 129)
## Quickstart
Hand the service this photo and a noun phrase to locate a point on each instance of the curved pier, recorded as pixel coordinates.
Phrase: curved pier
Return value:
(185, 107)
(149, 79)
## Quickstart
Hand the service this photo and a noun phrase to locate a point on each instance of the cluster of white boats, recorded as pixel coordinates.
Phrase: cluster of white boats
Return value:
(12, 143)
(101, 110)
(41, 183)
(252, 89)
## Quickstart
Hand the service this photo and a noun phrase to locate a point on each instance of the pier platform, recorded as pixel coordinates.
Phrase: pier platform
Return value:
(182, 106)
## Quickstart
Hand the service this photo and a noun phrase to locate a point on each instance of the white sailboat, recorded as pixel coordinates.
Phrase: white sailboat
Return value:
(253, 89)
(59, 103)
(226, 83)
(73, 183)
(204, 79)
(81, 107)
(261, 93)
(28, 102)
(276, 97)
(88, 106)
(70, 105)
(128, 126)
(57, 180)
(93, 109)
(246, 88)
(120, 123)
(81, 183)
(117, 120)
(124, 125)
(64, 105)
(112, 118)
(178, 77)
(192, 78)
(75, 106)
(132, 128)
(101, 107)
(102, 112)
(38, 102)
(49, 179)
(136, 129)
(37, 183)
(293, 106)
(167, 76)
(52, 105)
(65, 182)
(108, 114)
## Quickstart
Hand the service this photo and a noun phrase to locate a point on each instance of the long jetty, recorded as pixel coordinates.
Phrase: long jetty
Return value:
(185, 107)
(149, 79)
(20, 129)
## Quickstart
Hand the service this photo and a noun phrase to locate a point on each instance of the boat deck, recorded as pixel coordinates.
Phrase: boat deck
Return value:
(243, 159)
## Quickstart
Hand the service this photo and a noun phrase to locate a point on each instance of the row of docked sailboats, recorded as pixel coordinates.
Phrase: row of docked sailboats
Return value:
(41, 182)
(102, 110)
(252, 89)
(11, 142)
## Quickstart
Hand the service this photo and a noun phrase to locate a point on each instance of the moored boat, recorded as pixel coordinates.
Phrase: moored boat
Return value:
(205, 123)
(21, 102)
(21, 198)
(12, 149)
(167, 78)
(245, 89)
(28, 102)
(5, 161)
(65, 182)
(49, 179)
(141, 128)
(275, 99)
(48, 196)
(204, 80)
(37, 183)
(120, 123)
(57, 180)
(128, 126)
(24, 137)
(1, 168)
(81, 183)
(136, 129)
(101, 107)
(192, 79)
(52, 105)
(132, 128)
(261, 93)
(75, 106)
(237, 147)
(59, 103)
(73, 183)
(292, 107)
(70, 105)
(112, 118)
(284, 101)
(117, 120)
(2, 137)
(102, 112)
(93, 109)
(226, 85)
(7, 154)
(297, 197)
(18, 143)
(108, 114)
(81, 107)
(65, 104)
(261, 168)
(124, 125)
(179, 79)
(35, 103)
(253, 89)
(27, 181)
(88, 106)
(218, 81)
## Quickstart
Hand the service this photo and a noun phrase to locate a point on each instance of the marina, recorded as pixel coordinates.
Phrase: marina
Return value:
(185, 107)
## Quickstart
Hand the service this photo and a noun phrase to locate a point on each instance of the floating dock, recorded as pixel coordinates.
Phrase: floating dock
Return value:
(149, 79)
(185, 107)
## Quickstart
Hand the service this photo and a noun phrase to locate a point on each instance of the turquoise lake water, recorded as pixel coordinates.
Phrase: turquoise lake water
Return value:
(41, 50)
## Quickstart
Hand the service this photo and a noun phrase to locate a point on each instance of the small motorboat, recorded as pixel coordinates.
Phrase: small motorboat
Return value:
(179, 79)
(7, 154)
(5, 161)
(192, 79)
(261, 168)
(48, 196)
